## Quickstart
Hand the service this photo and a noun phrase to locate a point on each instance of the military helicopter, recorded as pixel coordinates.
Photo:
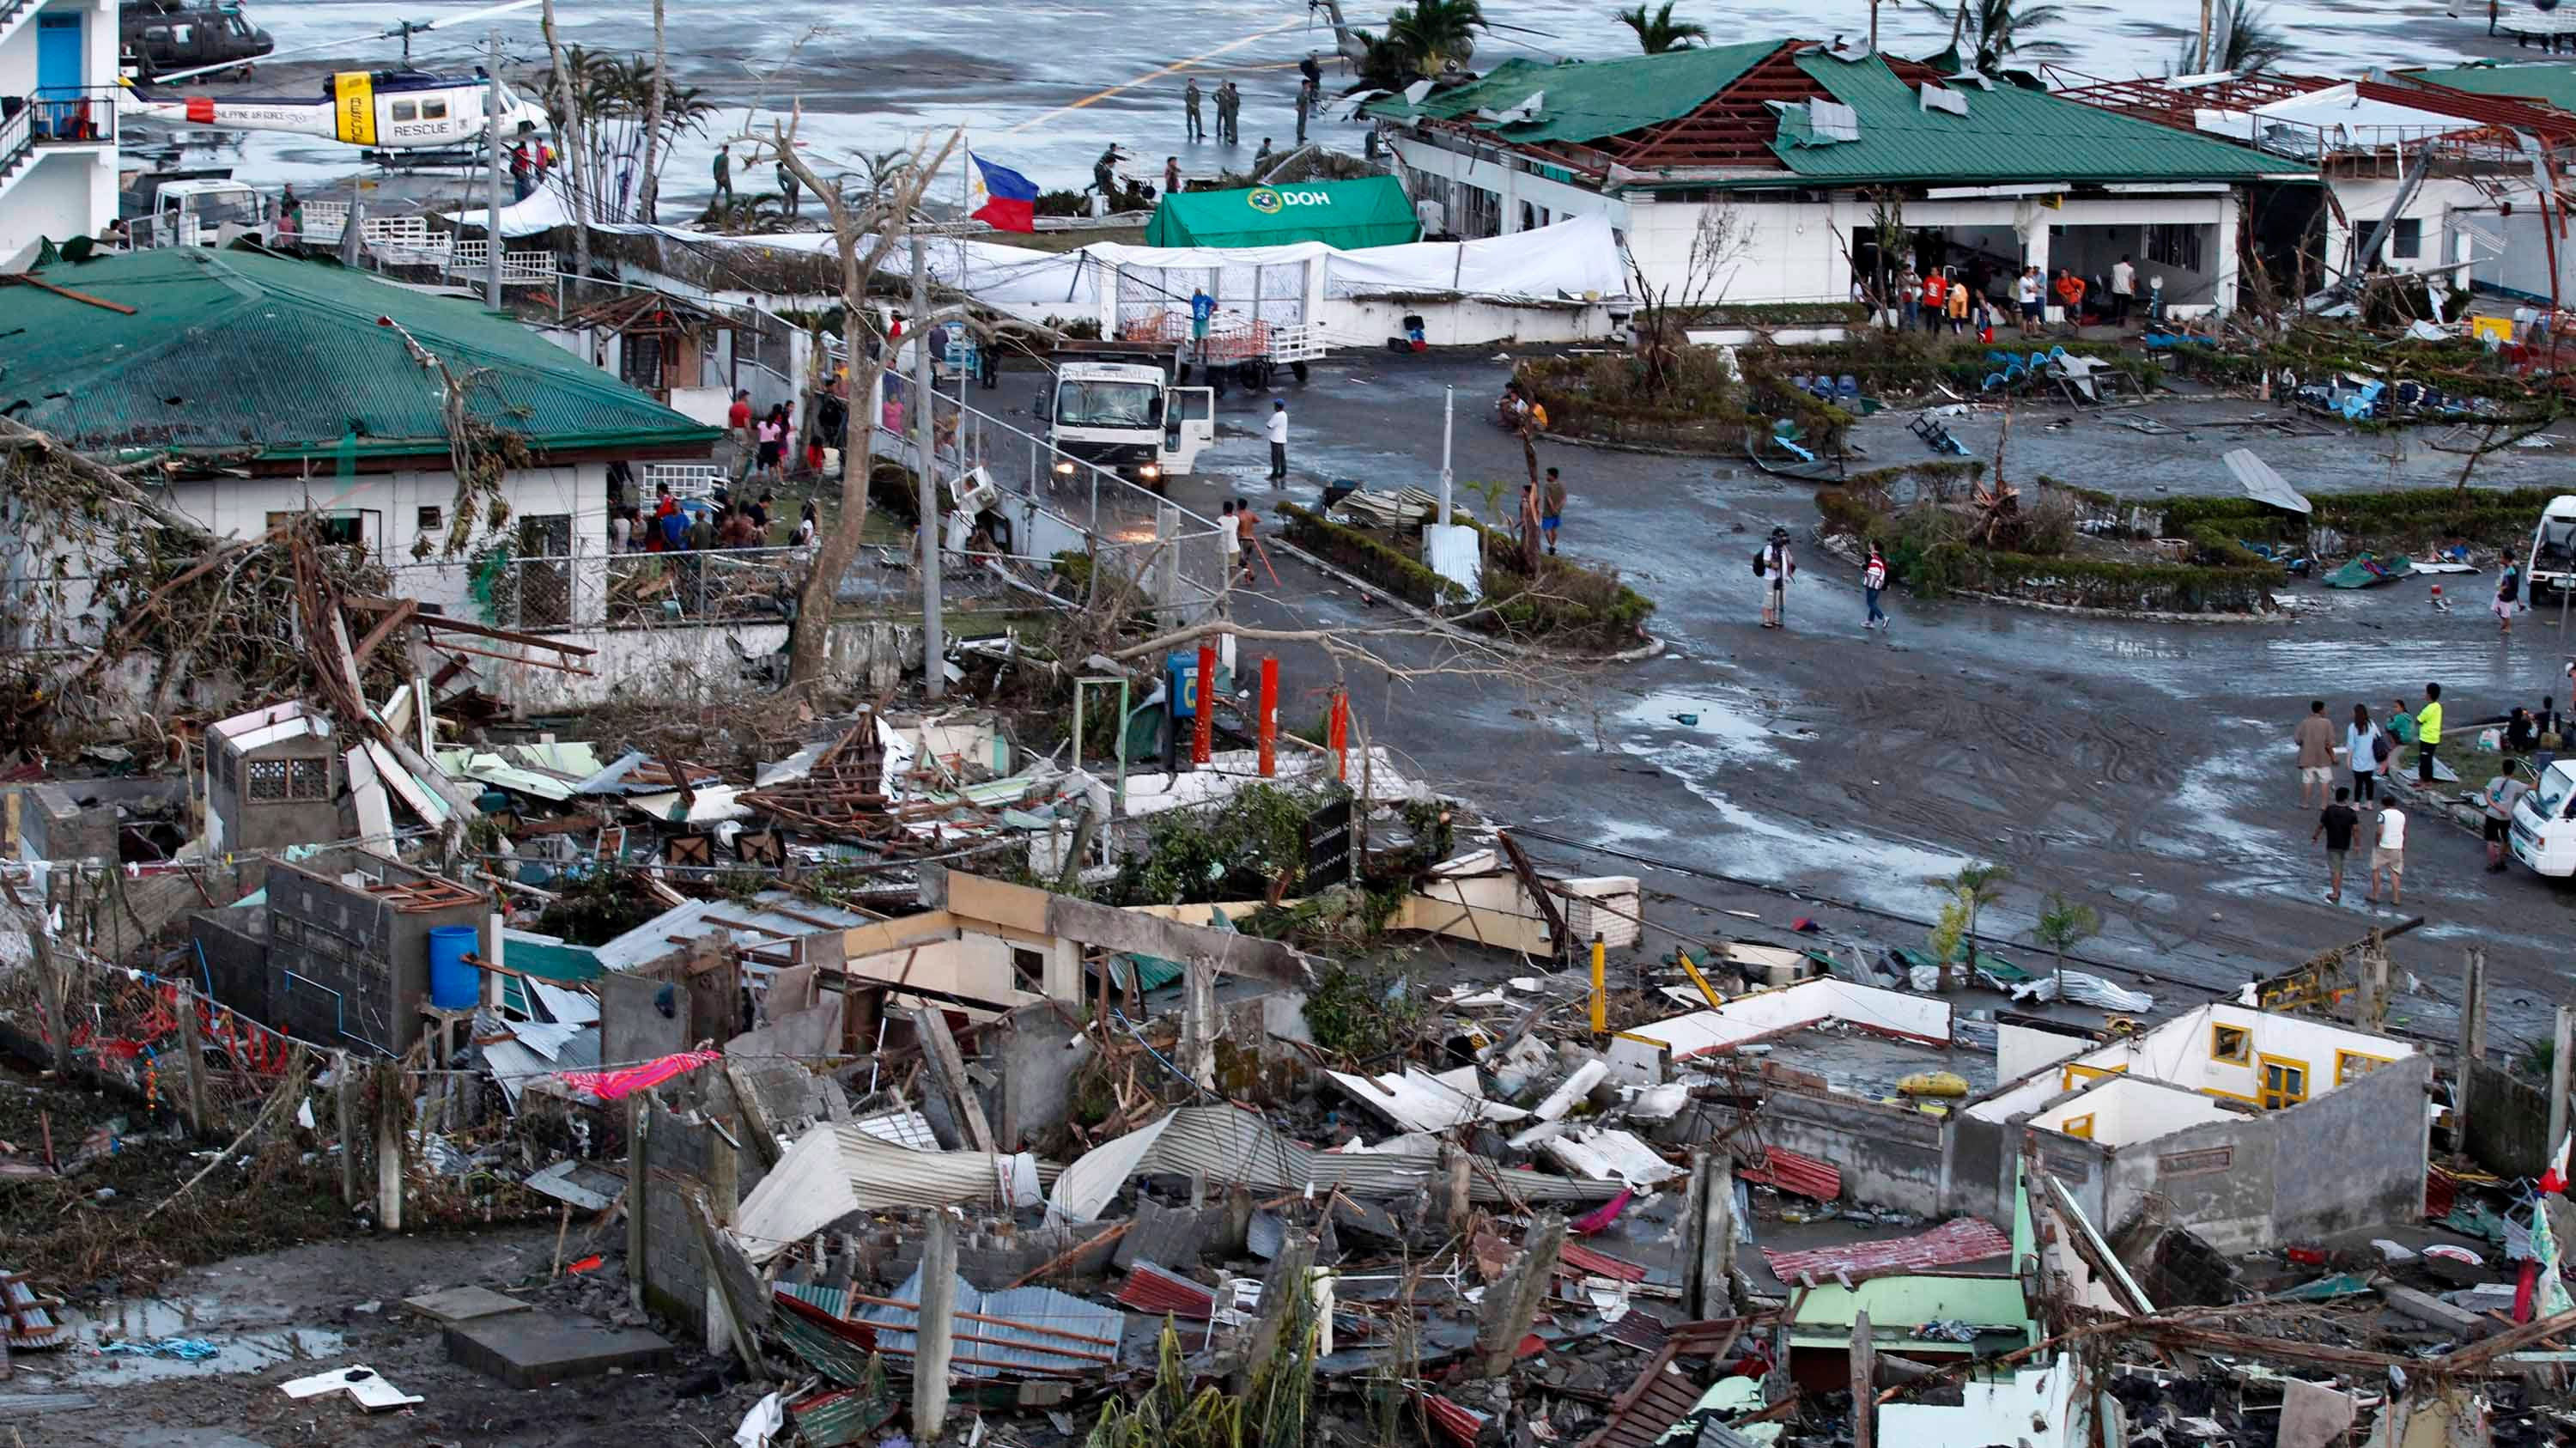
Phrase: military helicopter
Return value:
(382, 110)
(160, 36)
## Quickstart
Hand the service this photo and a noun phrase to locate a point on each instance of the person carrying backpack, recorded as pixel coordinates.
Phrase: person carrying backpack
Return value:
(1775, 565)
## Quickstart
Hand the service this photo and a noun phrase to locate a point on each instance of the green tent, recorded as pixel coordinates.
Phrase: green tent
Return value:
(1350, 214)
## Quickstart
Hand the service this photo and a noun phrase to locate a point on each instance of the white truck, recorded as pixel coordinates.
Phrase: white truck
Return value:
(201, 211)
(2544, 822)
(1125, 416)
(2552, 565)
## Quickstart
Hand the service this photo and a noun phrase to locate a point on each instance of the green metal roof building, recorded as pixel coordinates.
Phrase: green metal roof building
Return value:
(274, 364)
(1802, 148)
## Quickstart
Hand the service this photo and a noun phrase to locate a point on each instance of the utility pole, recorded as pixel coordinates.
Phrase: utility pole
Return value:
(2204, 38)
(934, 651)
(1873, 27)
(492, 146)
(1448, 421)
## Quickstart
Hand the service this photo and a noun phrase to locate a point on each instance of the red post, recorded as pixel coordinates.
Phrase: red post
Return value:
(1337, 734)
(1269, 717)
(1203, 735)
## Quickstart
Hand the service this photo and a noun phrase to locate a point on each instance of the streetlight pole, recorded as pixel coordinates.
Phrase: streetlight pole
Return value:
(492, 145)
(934, 650)
(1448, 421)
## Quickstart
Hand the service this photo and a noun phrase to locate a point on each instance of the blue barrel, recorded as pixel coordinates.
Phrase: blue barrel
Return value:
(453, 985)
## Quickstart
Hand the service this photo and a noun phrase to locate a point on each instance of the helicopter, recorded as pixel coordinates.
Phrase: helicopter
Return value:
(158, 36)
(383, 110)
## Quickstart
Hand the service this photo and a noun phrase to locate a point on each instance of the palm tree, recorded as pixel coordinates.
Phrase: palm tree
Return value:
(1436, 35)
(1977, 886)
(1988, 31)
(2062, 925)
(1660, 32)
(2246, 41)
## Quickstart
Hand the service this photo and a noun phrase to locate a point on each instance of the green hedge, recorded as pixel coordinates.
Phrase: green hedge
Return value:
(2225, 578)
(2500, 518)
(1580, 607)
(1399, 573)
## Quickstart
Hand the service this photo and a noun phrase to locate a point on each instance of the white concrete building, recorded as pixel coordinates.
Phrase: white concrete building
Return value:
(1767, 173)
(2449, 169)
(57, 122)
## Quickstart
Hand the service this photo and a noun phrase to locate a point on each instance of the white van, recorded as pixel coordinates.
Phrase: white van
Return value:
(2553, 550)
(2544, 822)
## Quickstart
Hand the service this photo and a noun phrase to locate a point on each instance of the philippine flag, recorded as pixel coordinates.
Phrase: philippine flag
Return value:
(1002, 196)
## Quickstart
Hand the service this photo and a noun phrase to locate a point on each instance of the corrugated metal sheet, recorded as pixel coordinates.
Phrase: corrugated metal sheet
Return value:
(1577, 1258)
(1151, 1289)
(834, 1170)
(1022, 1332)
(842, 1416)
(2009, 134)
(1661, 1397)
(1461, 1423)
(1419, 1100)
(1584, 102)
(1966, 1239)
(41, 1329)
(1791, 1172)
(1227, 1144)
(1639, 1329)
(836, 1348)
(651, 940)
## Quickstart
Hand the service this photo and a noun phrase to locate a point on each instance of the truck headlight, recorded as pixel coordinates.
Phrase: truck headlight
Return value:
(1149, 471)
(1064, 467)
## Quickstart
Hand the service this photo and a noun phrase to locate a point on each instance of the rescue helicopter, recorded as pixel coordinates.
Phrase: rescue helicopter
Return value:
(380, 110)
(162, 36)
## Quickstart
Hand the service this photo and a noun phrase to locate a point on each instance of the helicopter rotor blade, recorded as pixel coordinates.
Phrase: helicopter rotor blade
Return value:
(389, 33)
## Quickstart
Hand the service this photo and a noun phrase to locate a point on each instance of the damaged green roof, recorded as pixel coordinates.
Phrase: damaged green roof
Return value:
(244, 353)
(1586, 100)
(2009, 134)
(2553, 85)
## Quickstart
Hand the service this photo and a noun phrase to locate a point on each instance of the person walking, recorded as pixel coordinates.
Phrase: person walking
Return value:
(1190, 97)
(2316, 744)
(1229, 541)
(1202, 310)
(1775, 566)
(1551, 509)
(2033, 310)
(1958, 306)
(2388, 852)
(1873, 579)
(1305, 107)
(1243, 522)
(2428, 733)
(1276, 429)
(2508, 597)
(738, 418)
(2124, 291)
(1104, 175)
(2070, 298)
(2366, 749)
(724, 175)
(2336, 823)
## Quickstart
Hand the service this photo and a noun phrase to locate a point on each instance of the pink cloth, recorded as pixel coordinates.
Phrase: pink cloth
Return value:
(610, 1085)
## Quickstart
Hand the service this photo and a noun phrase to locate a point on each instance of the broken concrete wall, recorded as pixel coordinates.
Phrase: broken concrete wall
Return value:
(233, 943)
(51, 825)
(682, 1154)
(1888, 1155)
(2508, 1121)
(1034, 1054)
(2351, 1158)
(692, 664)
(641, 1018)
(351, 967)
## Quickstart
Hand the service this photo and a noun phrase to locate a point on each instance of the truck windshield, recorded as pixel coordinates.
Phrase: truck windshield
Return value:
(2556, 545)
(2551, 794)
(1109, 404)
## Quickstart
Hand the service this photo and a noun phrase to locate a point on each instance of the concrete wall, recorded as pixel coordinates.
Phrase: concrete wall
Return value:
(681, 1152)
(2443, 245)
(347, 966)
(2125, 1109)
(2020, 1050)
(631, 1026)
(2508, 1121)
(1034, 1054)
(693, 663)
(2179, 1052)
(66, 191)
(2350, 1159)
(1888, 1155)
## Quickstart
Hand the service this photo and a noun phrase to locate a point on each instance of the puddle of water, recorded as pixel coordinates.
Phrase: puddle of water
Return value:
(1888, 875)
(210, 1320)
(1697, 713)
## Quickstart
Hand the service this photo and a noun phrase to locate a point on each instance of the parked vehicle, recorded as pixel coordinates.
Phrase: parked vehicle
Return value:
(2553, 549)
(2544, 821)
(1125, 416)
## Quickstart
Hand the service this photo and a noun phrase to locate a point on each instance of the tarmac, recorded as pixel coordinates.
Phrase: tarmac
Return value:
(2142, 768)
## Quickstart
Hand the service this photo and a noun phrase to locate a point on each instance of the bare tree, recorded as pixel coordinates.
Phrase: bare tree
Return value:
(868, 224)
(1666, 313)
(567, 106)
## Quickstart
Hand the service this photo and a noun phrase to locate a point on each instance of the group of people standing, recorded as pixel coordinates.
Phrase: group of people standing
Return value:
(1944, 296)
(2368, 748)
(674, 527)
(530, 163)
(1229, 112)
